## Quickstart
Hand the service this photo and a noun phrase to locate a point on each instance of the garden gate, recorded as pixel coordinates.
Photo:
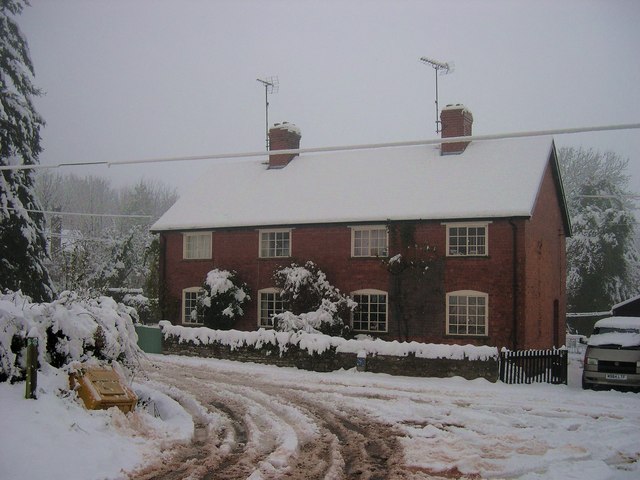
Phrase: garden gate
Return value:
(534, 366)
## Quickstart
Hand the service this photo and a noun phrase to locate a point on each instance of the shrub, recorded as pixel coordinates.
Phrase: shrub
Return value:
(223, 299)
(69, 329)
(141, 306)
(314, 304)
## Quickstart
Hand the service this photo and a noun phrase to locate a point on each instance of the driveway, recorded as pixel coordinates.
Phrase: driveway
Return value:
(263, 422)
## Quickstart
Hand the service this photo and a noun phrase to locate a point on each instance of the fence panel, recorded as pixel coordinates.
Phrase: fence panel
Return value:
(534, 366)
(149, 338)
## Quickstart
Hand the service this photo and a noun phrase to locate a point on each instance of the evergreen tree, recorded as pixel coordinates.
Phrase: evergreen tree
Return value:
(603, 264)
(22, 239)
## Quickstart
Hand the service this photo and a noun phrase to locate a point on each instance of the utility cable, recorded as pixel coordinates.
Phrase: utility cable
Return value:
(368, 146)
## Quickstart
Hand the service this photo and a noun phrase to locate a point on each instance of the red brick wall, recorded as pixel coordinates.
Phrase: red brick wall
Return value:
(492, 275)
(330, 248)
(545, 271)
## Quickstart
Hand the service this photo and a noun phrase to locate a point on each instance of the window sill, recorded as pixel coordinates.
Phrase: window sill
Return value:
(461, 335)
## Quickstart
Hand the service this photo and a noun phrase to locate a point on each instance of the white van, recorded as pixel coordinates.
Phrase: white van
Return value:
(612, 358)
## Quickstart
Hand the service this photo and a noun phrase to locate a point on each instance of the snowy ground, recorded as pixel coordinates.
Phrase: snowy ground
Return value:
(236, 420)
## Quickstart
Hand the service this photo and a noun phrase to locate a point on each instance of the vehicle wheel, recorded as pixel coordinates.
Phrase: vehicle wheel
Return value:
(586, 386)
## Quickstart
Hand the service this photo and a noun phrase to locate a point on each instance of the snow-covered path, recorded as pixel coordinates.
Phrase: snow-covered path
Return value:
(255, 421)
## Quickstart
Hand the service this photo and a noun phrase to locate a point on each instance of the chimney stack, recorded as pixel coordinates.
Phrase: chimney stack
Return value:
(456, 121)
(283, 136)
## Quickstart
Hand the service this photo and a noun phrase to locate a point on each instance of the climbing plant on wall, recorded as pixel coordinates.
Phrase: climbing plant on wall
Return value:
(415, 281)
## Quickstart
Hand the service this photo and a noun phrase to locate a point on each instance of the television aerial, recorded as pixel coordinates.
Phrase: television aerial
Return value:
(443, 69)
(271, 85)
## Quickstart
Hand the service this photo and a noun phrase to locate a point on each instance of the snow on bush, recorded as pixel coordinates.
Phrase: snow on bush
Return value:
(314, 305)
(223, 299)
(310, 322)
(141, 305)
(132, 297)
(315, 343)
(69, 329)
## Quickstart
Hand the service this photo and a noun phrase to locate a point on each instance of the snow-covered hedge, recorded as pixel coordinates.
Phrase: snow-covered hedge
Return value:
(69, 329)
(315, 343)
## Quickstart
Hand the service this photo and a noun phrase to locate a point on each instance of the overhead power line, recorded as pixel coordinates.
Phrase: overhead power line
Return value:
(617, 197)
(79, 214)
(368, 146)
(74, 239)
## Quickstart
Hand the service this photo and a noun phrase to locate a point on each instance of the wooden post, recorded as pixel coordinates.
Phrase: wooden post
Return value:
(32, 368)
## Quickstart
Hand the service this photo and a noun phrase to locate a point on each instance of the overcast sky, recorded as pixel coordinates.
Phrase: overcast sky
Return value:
(139, 79)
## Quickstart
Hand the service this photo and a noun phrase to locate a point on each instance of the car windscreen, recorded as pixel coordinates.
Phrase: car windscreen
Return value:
(600, 330)
(605, 337)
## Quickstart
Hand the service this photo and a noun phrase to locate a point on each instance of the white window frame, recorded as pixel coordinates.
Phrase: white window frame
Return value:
(268, 323)
(468, 252)
(197, 254)
(467, 294)
(186, 319)
(269, 253)
(370, 292)
(368, 253)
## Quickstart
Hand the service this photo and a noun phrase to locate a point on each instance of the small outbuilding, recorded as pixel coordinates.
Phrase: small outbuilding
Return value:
(628, 308)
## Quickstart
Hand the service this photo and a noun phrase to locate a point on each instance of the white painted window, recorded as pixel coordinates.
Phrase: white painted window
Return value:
(371, 314)
(269, 304)
(467, 239)
(467, 313)
(189, 306)
(275, 243)
(369, 241)
(196, 246)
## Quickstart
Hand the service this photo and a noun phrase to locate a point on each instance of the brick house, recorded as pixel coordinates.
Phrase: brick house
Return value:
(485, 221)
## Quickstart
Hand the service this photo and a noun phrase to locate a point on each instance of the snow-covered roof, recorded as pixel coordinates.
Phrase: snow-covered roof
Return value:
(619, 322)
(622, 331)
(625, 302)
(490, 179)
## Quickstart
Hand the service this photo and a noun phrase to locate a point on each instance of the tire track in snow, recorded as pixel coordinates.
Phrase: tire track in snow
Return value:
(355, 446)
(223, 450)
(274, 432)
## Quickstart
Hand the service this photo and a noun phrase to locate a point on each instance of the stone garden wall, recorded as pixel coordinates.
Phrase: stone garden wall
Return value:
(328, 359)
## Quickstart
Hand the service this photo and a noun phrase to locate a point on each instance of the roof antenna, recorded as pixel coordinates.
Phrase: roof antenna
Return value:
(271, 85)
(438, 67)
